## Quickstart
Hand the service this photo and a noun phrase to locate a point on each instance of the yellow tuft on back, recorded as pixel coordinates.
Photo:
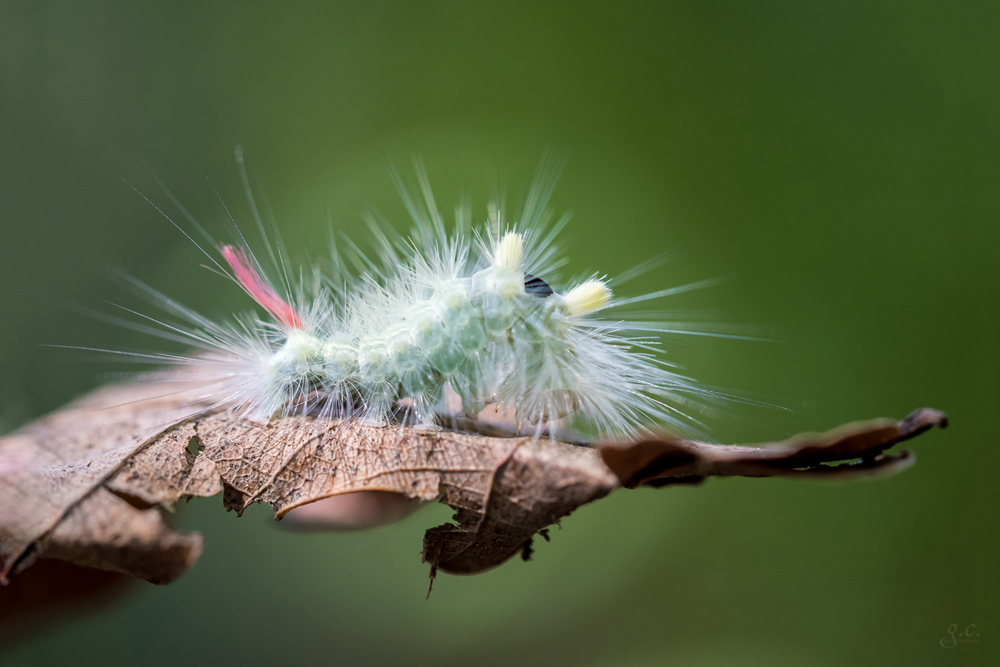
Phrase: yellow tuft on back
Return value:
(588, 297)
(508, 251)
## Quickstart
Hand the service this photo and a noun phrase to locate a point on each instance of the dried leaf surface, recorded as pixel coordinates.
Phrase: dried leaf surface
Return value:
(49, 467)
(89, 484)
(106, 532)
(668, 460)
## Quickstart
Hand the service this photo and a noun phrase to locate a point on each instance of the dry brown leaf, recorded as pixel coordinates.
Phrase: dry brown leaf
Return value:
(88, 484)
(669, 460)
(48, 468)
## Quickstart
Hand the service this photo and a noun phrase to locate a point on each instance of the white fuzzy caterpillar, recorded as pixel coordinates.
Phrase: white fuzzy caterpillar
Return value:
(465, 313)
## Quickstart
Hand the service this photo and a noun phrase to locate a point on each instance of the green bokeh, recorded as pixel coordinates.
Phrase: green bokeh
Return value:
(838, 161)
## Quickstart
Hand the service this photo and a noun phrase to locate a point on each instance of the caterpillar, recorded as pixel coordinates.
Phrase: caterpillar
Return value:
(441, 322)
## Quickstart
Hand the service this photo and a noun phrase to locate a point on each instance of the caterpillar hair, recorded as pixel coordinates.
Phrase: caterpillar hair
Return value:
(439, 324)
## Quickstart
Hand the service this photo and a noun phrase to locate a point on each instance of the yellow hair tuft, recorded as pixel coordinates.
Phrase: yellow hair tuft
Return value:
(508, 251)
(588, 297)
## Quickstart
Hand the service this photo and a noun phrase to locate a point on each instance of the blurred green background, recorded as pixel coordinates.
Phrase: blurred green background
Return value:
(838, 161)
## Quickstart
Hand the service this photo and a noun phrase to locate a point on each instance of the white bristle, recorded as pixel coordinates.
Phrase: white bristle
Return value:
(439, 313)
